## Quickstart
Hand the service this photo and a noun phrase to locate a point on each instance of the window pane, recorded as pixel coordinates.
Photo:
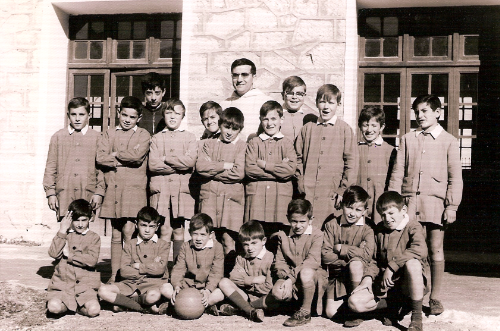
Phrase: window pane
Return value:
(440, 46)
(421, 46)
(124, 30)
(468, 119)
(82, 32)
(97, 86)
(97, 31)
(439, 86)
(391, 87)
(81, 50)
(373, 26)
(390, 26)
(95, 121)
(140, 30)
(80, 86)
(123, 50)
(137, 87)
(372, 47)
(167, 29)
(373, 89)
(139, 50)
(96, 49)
(391, 120)
(468, 87)
(166, 49)
(471, 46)
(419, 85)
(122, 86)
(391, 47)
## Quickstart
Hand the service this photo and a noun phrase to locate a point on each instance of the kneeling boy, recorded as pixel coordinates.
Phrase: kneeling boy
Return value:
(400, 269)
(143, 265)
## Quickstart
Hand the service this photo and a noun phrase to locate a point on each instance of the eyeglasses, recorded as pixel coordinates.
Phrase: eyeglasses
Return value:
(299, 94)
(243, 74)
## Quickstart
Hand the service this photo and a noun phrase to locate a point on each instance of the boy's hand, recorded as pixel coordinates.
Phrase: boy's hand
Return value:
(207, 158)
(204, 300)
(337, 248)
(363, 244)
(136, 265)
(157, 259)
(259, 280)
(367, 283)
(449, 216)
(228, 165)
(287, 288)
(66, 250)
(66, 222)
(53, 202)
(96, 201)
(286, 160)
(387, 281)
(261, 164)
(176, 291)
(136, 147)
(114, 154)
(338, 200)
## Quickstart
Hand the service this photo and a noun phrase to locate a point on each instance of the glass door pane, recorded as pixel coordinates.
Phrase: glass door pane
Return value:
(467, 116)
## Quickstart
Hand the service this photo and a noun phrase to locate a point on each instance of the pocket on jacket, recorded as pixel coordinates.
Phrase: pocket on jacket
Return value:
(438, 187)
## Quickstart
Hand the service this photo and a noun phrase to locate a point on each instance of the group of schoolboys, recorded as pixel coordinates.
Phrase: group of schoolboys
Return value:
(373, 254)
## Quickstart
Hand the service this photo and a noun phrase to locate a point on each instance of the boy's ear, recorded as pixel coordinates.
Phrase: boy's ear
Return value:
(438, 113)
(139, 118)
(405, 209)
(382, 127)
(264, 240)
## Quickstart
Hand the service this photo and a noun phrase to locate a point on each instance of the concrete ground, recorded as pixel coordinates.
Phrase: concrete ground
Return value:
(471, 297)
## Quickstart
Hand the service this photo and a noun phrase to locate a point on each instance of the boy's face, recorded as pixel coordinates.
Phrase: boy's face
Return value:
(154, 97)
(81, 224)
(354, 212)
(200, 237)
(392, 217)
(128, 118)
(227, 133)
(294, 99)
(210, 120)
(327, 109)
(78, 118)
(271, 123)
(371, 130)
(253, 247)
(242, 79)
(427, 118)
(173, 117)
(299, 223)
(146, 229)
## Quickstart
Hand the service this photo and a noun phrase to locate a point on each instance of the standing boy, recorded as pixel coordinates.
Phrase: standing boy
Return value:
(172, 157)
(210, 113)
(71, 173)
(326, 156)
(153, 89)
(143, 267)
(376, 157)
(123, 154)
(347, 247)
(270, 164)
(400, 270)
(76, 249)
(298, 262)
(428, 173)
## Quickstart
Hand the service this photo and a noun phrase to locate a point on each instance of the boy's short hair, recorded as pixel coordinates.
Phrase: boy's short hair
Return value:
(80, 207)
(430, 99)
(148, 215)
(251, 230)
(270, 106)
(171, 103)
(329, 91)
(354, 194)
(232, 117)
(389, 199)
(210, 105)
(299, 206)
(79, 102)
(370, 112)
(199, 221)
(132, 102)
(152, 80)
(292, 82)
(244, 62)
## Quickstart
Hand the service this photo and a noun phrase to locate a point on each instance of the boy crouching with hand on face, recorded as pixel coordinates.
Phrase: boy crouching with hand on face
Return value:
(143, 267)
(400, 269)
(76, 249)
(250, 280)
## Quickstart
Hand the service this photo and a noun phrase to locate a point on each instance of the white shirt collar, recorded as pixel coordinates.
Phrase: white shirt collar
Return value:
(264, 136)
(360, 222)
(331, 121)
(83, 131)
(378, 141)
(403, 223)
(209, 244)
(153, 239)
(434, 133)
(178, 129)
(232, 142)
(119, 127)
(83, 233)
(262, 253)
(309, 230)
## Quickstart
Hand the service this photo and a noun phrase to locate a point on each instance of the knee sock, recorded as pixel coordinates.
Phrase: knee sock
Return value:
(177, 244)
(240, 302)
(308, 290)
(266, 302)
(416, 310)
(382, 304)
(116, 255)
(127, 302)
(437, 273)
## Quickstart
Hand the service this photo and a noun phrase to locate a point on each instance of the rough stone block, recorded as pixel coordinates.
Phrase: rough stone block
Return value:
(325, 57)
(306, 7)
(335, 8)
(221, 62)
(201, 4)
(267, 81)
(206, 44)
(205, 88)
(198, 64)
(261, 18)
(240, 41)
(197, 23)
(280, 7)
(225, 24)
(287, 21)
(13, 101)
(277, 63)
(309, 30)
(17, 141)
(13, 59)
(16, 23)
(271, 40)
(340, 30)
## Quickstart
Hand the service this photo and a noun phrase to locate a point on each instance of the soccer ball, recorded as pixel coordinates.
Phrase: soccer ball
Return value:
(188, 304)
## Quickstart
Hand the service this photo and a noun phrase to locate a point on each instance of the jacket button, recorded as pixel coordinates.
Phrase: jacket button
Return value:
(198, 266)
(417, 213)
(77, 281)
(418, 192)
(74, 247)
(368, 179)
(116, 202)
(319, 167)
(145, 256)
(323, 138)
(369, 161)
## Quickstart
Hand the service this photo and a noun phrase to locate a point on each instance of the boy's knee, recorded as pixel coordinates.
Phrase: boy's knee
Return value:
(355, 266)
(105, 292)
(413, 266)
(55, 306)
(152, 296)
(167, 290)
(93, 308)
(307, 275)
(225, 284)
(128, 230)
(178, 233)
(277, 291)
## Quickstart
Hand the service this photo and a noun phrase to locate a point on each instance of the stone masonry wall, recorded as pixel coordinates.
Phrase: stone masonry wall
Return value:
(282, 37)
